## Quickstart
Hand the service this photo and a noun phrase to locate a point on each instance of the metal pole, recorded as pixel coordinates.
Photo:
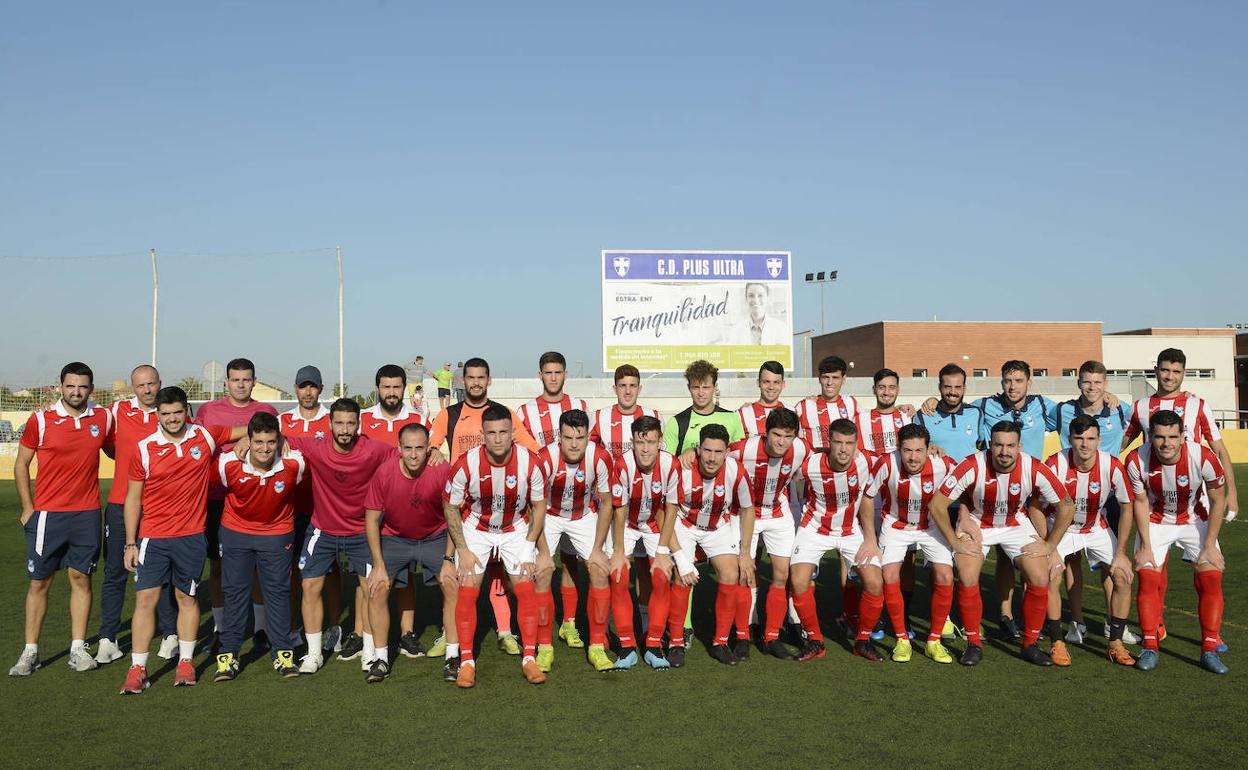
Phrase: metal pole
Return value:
(342, 381)
(823, 325)
(155, 302)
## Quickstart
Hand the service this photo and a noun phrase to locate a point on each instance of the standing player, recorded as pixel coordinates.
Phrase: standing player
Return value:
(640, 485)
(770, 386)
(1093, 478)
(62, 519)
(839, 515)
(996, 488)
(906, 480)
(578, 507)
(404, 522)
(1169, 477)
(877, 427)
(612, 425)
(233, 409)
(816, 413)
(540, 416)
(770, 460)
(257, 537)
(499, 490)
(681, 432)
(169, 487)
(952, 423)
(709, 505)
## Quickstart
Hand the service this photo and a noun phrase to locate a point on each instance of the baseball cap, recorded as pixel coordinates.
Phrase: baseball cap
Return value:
(310, 374)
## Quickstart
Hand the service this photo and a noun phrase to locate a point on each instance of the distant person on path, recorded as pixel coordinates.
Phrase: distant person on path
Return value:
(445, 377)
(457, 383)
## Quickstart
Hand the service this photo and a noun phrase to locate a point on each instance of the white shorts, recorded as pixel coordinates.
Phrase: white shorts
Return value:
(579, 534)
(1011, 539)
(1190, 537)
(896, 543)
(777, 536)
(509, 547)
(725, 540)
(1099, 545)
(649, 541)
(809, 547)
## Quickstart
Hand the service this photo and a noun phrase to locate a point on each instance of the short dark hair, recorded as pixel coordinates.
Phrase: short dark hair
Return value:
(1015, 365)
(832, 365)
(1172, 356)
(171, 394)
(701, 370)
(775, 367)
(1092, 367)
(843, 427)
(884, 374)
(948, 370)
(240, 365)
(390, 370)
(413, 427)
(263, 422)
(913, 430)
(1007, 426)
(626, 370)
(574, 418)
(713, 431)
(344, 405)
(494, 413)
(552, 357)
(646, 424)
(1165, 418)
(1081, 423)
(783, 418)
(78, 368)
(477, 363)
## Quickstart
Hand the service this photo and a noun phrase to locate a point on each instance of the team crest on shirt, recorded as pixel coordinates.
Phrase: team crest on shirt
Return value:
(580, 475)
(656, 487)
(719, 490)
(786, 468)
(1015, 488)
(897, 421)
(844, 412)
(279, 486)
(195, 453)
(853, 479)
(927, 487)
(1094, 487)
(1182, 481)
(1178, 410)
(617, 490)
(320, 435)
(510, 481)
(95, 431)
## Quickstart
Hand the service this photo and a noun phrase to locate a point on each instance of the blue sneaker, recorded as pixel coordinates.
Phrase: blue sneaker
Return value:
(626, 662)
(654, 659)
(910, 634)
(1222, 646)
(877, 635)
(1148, 660)
(1210, 662)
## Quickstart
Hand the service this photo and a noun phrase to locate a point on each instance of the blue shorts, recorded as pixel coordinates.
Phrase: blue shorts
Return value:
(400, 552)
(59, 539)
(176, 560)
(212, 529)
(321, 550)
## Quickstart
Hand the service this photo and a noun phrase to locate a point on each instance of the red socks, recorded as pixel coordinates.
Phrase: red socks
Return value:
(896, 609)
(777, 608)
(622, 609)
(466, 620)
(745, 598)
(1148, 605)
(568, 594)
(660, 603)
(676, 614)
(598, 608)
(804, 603)
(971, 605)
(725, 611)
(1035, 608)
(526, 609)
(545, 616)
(1209, 594)
(850, 594)
(871, 607)
(942, 602)
(499, 603)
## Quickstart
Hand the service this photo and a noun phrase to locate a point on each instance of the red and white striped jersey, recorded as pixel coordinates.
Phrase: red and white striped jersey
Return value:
(1175, 491)
(769, 476)
(614, 429)
(379, 426)
(754, 417)
(903, 498)
(1091, 489)
(832, 496)
(815, 414)
(541, 417)
(1198, 424)
(495, 497)
(708, 503)
(877, 431)
(1000, 499)
(644, 492)
(575, 489)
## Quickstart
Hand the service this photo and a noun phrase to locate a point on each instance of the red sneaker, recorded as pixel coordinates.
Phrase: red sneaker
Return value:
(185, 675)
(136, 681)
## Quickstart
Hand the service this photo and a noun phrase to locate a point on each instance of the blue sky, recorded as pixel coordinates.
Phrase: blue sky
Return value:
(1008, 160)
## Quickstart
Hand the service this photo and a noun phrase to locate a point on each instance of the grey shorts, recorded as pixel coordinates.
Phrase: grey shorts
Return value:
(400, 552)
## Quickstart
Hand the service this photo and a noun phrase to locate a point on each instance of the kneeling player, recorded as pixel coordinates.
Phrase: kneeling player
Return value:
(502, 493)
(997, 488)
(906, 481)
(839, 515)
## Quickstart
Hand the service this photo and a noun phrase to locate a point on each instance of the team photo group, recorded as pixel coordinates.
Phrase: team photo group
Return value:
(494, 511)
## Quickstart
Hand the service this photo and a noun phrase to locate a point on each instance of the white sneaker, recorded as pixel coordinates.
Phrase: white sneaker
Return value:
(81, 660)
(26, 664)
(365, 664)
(107, 652)
(1074, 634)
(169, 647)
(332, 641)
(1128, 637)
(311, 663)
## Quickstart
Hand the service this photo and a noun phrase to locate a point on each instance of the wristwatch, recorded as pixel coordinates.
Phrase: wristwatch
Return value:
(451, 559)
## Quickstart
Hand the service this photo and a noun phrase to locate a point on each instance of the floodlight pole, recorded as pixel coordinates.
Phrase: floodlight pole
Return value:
(155, 302)
(342, 381)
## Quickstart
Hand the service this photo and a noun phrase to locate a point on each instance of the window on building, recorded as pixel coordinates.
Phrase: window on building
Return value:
(980, 373)
(918, 372)
(1039, 372)
(1070, 372)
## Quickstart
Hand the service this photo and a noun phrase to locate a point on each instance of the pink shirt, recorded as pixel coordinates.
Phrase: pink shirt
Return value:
(340, 481)
(412, 508)
(222, 412)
